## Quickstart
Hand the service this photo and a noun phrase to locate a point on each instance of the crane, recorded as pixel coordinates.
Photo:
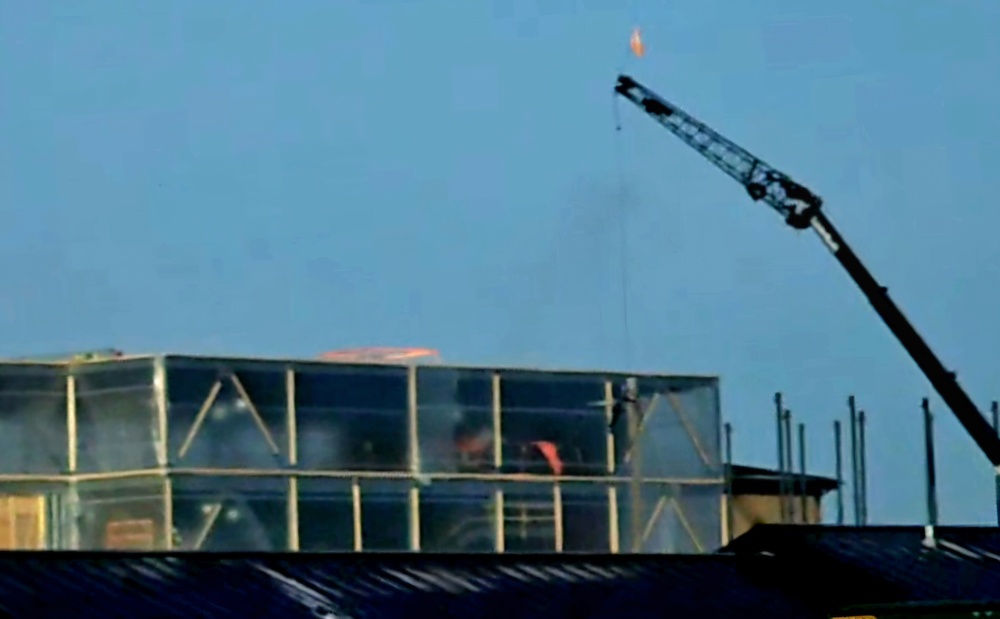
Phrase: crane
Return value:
(802, 209)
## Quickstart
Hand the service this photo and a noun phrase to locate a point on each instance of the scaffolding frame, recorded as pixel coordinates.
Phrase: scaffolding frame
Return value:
(170, 466)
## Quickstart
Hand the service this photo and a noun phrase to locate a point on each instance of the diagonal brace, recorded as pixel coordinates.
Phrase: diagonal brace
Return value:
(654, 518)
(206, 406)
(687, 525)
(199, 419)
(675, 403)
(644, 413)
(255, 414)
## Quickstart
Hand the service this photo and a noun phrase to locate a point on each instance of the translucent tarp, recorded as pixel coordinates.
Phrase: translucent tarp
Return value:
(352, 417)
(33, 426)
(670, 518)
(511, 460)
(230, 513)
(121, 514)
(567, 411)
(458, 517)
(117, 425)
(455, 420)
(226, 415)
(678, 422)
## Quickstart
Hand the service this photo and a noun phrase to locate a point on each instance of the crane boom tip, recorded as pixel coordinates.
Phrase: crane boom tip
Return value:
(624, 84)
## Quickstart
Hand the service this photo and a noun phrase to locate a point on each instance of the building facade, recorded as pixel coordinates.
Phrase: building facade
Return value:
(196, 453)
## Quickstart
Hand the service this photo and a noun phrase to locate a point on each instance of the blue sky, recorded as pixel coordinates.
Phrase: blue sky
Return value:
(284, 178)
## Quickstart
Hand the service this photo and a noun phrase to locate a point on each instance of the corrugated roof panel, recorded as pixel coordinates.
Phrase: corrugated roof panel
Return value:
(814, 570)
(388, 586)
(959, 566)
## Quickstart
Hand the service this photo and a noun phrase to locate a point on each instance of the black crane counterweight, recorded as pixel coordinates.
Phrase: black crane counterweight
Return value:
(802, 209)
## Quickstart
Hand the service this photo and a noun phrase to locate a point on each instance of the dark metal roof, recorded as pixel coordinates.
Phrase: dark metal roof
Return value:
(41, 584)
(891, 562)
(793, 572)
(758, 480)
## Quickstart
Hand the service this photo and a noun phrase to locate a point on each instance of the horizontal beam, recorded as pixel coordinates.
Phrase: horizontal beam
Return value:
(351, 474)
(78, 477)
(406, 475)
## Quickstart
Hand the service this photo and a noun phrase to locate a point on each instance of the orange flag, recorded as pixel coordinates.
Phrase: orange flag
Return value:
(551, 453)
(636, 44)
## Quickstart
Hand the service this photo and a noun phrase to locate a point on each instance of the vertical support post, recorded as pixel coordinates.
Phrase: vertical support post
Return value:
(779, 411)
(995, 410)
(168, 511)
(411, 410)
(727, 498)
(557, 515)
(855, 485)
(838, 448)
(72, 523)
(293, 513)
(71, 516)
(789, 468)
(613, 525)
(997, 487)
(414, 517)
(497, 424)
(499, 530)
(499, 513)
(635, 464)
(291, 417)
(162, 410)
(932, 507)
(71, 425)
(609, 409)
(863, 467)
(356, 512)
(803, 499)
(414, 440)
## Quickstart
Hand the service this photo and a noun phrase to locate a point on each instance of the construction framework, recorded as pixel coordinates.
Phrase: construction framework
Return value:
(185, 452)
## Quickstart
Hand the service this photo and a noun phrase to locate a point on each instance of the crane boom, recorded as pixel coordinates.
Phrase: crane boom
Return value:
(801, 209)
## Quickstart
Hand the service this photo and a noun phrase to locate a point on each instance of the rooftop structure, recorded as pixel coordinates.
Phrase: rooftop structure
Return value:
(757, 497)
(199, 453)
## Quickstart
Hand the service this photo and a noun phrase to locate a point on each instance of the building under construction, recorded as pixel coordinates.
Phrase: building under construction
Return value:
(354, 453)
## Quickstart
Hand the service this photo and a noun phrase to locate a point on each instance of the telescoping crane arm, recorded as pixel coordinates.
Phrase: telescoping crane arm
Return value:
(801, 209)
